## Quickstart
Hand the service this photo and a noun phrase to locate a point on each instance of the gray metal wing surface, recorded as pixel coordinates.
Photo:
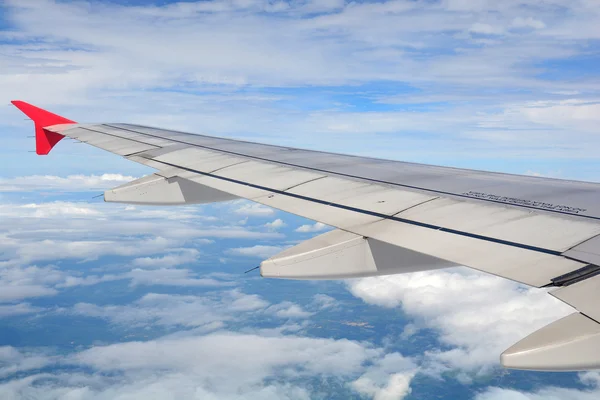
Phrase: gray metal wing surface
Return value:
(391, 217)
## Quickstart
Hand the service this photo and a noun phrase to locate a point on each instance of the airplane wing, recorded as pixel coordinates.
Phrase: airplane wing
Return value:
(391, 217)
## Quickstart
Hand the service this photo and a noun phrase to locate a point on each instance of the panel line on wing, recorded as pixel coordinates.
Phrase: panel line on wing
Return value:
(415, 205)
(372, 213)
(116, 136)
(304, 183)
(227, 166)
(356, 176)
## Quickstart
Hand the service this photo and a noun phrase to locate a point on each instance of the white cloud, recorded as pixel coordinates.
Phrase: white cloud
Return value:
(184, 256)
(485, 29)
(13, 361)
(255, 210)
(260, 251)
(316, 227)
(212, 312)
(18, 309)
(299, 56)
(287, 309)
(546, 393)
(221, 365)
(89, 280)
(19, 292)
(40, 232)
(275, 225)
(171, 277)
(50, 249)
(228, 363)
(36, 233)
(529, 22)
(18, 283)
(388, 379)
(564, 114)
(72, 183)
(323, 301)
(235, 300)
(56, 209)
(478, 315)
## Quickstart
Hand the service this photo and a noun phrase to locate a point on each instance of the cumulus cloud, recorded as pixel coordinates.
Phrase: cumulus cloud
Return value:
(255, 210)
(51, 249)
(221, 365)
(158, 240)
(59, 209)
(388, 379)
(316, 227)
(18, 283)
(19, 292)
(13, 361)
(50, 210)
(323, 301)
(546, 393)
(287, 309)
(185, 256)
(275, 225)
(171, 277)
(477, 315)
(155, 309)
(529, 22)
(40, 232)
(18, 309)
(560, 114)
(485, 29)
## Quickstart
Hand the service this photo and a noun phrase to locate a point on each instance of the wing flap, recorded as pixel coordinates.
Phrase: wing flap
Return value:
(338, 254)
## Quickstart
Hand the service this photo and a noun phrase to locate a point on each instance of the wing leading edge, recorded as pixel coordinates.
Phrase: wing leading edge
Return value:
(392, 217)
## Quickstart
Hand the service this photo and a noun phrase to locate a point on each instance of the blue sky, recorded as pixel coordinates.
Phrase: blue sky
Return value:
(101, 300)
(510, 86)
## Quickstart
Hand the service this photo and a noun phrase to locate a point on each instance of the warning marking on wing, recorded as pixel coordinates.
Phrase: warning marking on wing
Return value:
(525, 203)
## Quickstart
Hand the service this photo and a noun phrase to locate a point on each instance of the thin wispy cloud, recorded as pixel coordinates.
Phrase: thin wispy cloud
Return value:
(476, 80)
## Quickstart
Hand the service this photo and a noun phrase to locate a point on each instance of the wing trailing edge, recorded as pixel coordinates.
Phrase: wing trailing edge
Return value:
(45, 139)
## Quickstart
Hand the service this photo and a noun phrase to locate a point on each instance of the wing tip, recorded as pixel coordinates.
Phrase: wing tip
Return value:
(45, 139)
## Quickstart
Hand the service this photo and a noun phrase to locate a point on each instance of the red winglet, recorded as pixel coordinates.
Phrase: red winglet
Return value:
(44, 139)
